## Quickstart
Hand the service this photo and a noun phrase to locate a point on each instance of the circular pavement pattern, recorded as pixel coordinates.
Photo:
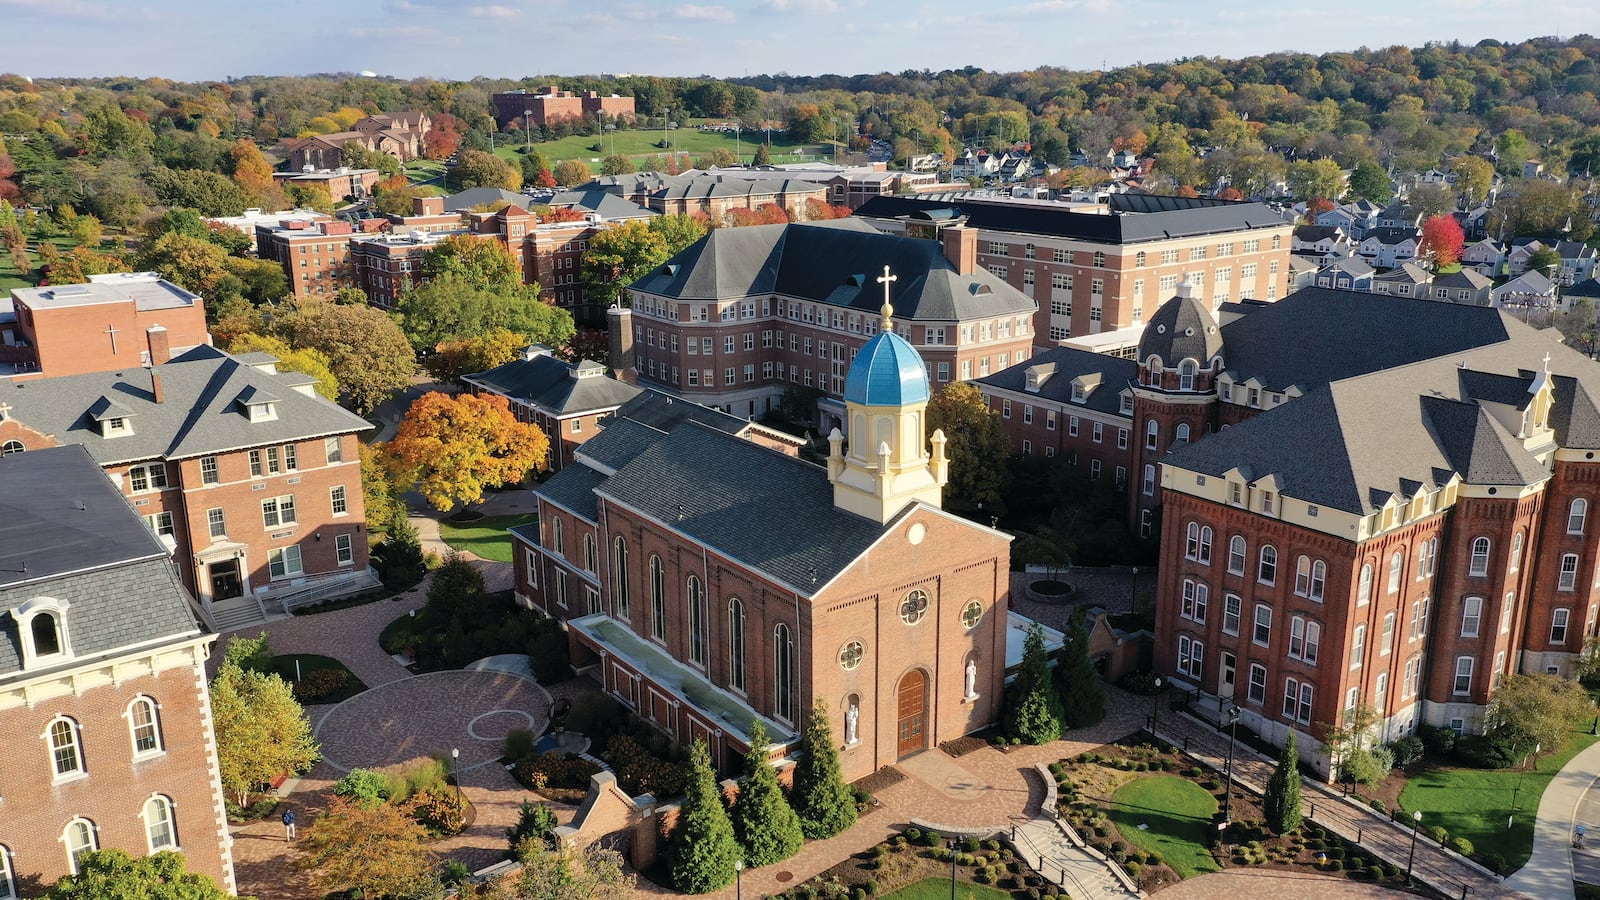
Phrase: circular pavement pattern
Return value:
(430, 714)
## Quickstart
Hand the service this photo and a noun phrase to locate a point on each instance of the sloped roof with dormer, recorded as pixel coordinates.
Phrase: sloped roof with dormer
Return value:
(1056, 369)
(201, 412)
(552, 385)
(67, 533)
(837, 263)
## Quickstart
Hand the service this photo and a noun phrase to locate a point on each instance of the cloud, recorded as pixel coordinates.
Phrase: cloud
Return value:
(813, 7)
(65, 9)
(704, 13)
(1046, 7)
(491, 12)
(395, 32)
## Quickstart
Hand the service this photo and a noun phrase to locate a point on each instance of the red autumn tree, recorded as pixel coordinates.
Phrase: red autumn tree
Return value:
(1319, 205)
(450, 449)
(1229, 193)
(1441, 241)
(444, 138)
(544, 179)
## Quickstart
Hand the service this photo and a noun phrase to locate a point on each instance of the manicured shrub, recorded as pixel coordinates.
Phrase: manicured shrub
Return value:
(364, 786)
(1282, 798)
(820, 797)
(518, 743)
(703, 849)
(1461, 845)
(534, 820)
(319, 684)
(1438, 739)
(1407, 750)
(1439, 834)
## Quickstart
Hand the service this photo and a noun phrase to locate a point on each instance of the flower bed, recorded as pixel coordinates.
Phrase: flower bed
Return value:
(908, 859)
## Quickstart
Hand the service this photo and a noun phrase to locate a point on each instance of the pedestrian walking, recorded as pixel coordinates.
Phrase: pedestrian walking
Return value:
(288, 825)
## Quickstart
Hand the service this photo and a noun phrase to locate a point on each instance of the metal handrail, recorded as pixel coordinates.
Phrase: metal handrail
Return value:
(1015, 834)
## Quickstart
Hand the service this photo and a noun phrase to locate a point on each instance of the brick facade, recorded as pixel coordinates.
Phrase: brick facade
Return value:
(122, 320)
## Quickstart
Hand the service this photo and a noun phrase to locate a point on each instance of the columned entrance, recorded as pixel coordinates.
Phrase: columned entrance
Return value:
(913, 705)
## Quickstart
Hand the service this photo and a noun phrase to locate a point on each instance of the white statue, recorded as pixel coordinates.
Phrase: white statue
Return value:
(972, 678)
(851, 717)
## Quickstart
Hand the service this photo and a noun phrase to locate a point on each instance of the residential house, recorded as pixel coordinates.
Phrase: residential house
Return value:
(1577, 261)
(567, 401)
(1350, 274)
(1528, 290)
(1355, 219)
(251, 480)
(1465, 286)
(1398, 215)
(713, 582)
(1385, 248)
(102, 684)
(121, 320)
(1322, 241)
(1405, 280)
(1486, 257)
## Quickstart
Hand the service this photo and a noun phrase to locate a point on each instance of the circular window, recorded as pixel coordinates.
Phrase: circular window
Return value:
(972, 613)
(914, 607)
(1188, 332)
(916, 533)
(1161, 329)
(851, 654)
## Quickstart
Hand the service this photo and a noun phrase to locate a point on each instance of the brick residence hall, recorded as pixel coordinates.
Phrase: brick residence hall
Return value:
(1361, 499)
(250, 479)
(102, 683)
(710, 579)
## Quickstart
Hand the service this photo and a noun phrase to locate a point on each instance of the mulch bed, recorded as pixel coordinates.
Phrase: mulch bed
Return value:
(961, 746)
(884, 778)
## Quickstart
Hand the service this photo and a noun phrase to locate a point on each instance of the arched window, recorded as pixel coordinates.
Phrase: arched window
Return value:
(658, 599)
(1191, 547)
(697, 621)
(46, 631)
(619, 576)
(1479, 563)
(1302, 576)
(1576, 514)
(1516, 553)
(1205, 545)
(1364, 585)
(1149, 480)
(555, 534)
(783, 673)
(1152, 434)
(1267, 573)
(1277, 241)
(1099, 259)
(66, 754)
(1186, 373)
(1397, 566)
(160, 825)
(79, 838)
(1319, 579)
(1138, 260)
(8, 880)
(736, 645)
(144, 726)
(6, 449)
(589, 552)
(1181, 435)
(1236, 554)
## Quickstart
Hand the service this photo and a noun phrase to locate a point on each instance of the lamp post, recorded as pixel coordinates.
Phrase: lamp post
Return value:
(952, 869)
(1416, 822)
(527, 130)
(1155, 706)
(1227, 797)
(736, 154)
(738, 876)
(1133, 591)
(455, 769)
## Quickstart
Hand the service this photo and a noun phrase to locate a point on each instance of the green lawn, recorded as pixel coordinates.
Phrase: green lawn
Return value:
(485, 537)
(1178, 814)
(1476, 803)
(11, 278)
(640, 146)
(939, 889)
(284, 665)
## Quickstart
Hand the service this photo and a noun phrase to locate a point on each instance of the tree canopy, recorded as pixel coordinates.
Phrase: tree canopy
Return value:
(261, 730)
(113, 874)
(976, 446)
(366, 351)
(621, 255)
(450, 448)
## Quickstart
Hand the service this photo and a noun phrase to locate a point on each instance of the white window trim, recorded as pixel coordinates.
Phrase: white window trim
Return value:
(155, 721)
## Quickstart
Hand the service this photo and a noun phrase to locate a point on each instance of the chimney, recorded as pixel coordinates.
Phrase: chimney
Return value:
(160, 351)
(961, 248)
(619, 342)
(427, 206)
(155, 385)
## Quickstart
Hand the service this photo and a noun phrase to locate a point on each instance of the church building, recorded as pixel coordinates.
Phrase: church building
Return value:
(710, 578)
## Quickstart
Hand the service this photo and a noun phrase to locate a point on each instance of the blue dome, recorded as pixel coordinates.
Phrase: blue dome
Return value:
(887, 372)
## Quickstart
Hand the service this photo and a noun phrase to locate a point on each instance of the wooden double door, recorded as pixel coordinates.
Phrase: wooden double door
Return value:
(913, 713)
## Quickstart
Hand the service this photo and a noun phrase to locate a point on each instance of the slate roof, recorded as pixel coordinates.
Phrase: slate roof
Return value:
(600, 202)
(1058, 367)
(833, 262)
(67, 532)
(202, 412)
(481, 196)
(550, 384)
(1181, 329)
(1398, 395)
(572, 489)
(1135, 217)
(1310, 234)
(1469, 279)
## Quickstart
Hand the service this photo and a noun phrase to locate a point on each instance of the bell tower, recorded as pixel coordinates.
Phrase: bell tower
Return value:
(889, 464)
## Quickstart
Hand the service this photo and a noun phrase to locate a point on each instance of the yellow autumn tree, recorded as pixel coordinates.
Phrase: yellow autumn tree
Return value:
(251, 171)
(450, 449)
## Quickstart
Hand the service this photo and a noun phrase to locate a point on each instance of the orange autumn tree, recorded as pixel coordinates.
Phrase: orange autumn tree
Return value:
(450, 449)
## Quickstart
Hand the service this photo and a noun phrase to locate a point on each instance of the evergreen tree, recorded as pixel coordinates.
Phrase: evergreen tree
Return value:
(1033, 710)
(763, 155)
(1083, 702)
(703, 850)
(821, 797)
(765, 823)
(1282, 799)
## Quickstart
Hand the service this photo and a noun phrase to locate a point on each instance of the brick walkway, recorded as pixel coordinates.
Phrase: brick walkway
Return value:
(1444, 871)
(1271, 884)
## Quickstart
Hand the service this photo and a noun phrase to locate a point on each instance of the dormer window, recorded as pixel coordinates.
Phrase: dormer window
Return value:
(117, 425)
(1078, 393)
(258, 405)
(42, 625)
(114, 419)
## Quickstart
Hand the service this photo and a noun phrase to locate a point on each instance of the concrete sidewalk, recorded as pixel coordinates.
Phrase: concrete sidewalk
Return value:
(1549, 872)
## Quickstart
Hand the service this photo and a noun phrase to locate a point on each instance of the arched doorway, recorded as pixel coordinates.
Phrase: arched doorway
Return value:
(913, 705)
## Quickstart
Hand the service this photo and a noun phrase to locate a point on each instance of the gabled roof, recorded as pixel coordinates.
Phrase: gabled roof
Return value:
(1527, 283)
(66, 532)
(602, 203)
(1390, 236)
(1405, 273)
(1590, 288)
(1469, 279)
(201, 413)
(1353, 266)
(836, 263)
(1310, 234)
(481, 196)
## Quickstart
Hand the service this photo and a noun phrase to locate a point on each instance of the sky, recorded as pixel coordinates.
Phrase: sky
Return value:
(458, 39)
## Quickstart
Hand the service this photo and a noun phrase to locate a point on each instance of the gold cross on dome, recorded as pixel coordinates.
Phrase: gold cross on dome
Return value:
(888, 310)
